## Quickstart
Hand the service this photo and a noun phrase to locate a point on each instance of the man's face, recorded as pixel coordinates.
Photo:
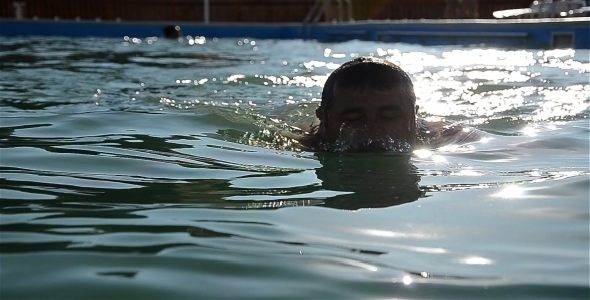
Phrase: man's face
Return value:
(367, 119)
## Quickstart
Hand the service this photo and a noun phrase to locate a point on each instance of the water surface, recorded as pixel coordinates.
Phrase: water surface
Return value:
(150, 169)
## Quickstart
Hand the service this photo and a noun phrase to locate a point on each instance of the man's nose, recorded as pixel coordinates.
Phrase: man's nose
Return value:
(374, 127)
(371, 122)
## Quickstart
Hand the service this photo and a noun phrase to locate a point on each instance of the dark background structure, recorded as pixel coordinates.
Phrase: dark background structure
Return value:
(277, 11)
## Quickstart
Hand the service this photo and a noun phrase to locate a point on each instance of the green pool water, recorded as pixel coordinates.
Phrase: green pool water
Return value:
(143, 168)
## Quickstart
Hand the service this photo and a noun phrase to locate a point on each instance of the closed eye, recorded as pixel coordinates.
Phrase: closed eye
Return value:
(351, 117)
(353, 114)
(390, 114)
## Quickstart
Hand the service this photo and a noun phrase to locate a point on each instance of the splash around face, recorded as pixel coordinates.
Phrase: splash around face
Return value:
(368, 121)
(354, 139)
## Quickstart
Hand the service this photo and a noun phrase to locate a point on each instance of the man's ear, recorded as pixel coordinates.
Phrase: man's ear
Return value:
(416, 109)
(318, 113)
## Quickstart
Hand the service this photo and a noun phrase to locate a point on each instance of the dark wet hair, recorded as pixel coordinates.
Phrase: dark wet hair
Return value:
(171, 32)
(366, 73)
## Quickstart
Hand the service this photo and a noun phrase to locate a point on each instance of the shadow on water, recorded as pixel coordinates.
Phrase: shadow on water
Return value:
(369, 180)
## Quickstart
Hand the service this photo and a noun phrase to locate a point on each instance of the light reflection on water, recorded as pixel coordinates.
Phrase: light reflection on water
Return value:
(143, 167)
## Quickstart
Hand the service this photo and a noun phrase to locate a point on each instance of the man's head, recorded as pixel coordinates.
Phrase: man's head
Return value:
(172, 32)
(367, 102)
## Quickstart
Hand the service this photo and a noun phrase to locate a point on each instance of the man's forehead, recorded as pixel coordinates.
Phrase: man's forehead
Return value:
(370, 86)
(367, 91)
(348, 96)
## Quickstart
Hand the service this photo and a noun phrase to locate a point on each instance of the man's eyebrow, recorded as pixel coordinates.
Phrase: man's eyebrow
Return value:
(390, 107)
(352, 110)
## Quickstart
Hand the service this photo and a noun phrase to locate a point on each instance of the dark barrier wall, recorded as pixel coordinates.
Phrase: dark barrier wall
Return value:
(247, 10)
(154, 10)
